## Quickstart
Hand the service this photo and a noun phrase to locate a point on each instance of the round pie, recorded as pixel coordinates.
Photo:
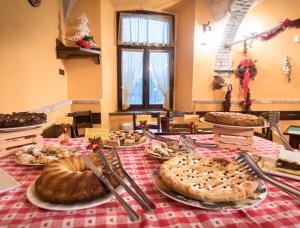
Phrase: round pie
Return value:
(235, 119)
(208, 178)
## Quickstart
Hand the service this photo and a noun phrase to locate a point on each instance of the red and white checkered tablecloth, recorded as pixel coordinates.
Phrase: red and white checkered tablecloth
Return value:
(277, 210)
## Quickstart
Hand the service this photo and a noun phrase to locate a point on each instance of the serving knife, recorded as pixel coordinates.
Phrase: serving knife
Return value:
(110, 171)
(132, 214)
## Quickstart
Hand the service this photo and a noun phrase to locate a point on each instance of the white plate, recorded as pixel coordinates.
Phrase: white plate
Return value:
(158, 157)
(34, 199)
(202, 119)
(36, 164)
(259, 196)
(130, 146)
(7, 181)
(276, 172)
(12, 129)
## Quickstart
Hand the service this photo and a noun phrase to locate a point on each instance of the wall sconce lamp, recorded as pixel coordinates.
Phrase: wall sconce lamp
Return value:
(206, 27)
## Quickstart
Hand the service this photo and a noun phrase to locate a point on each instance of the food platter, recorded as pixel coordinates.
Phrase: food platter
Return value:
(269, 167)
(157, 155)
(35, 200)
(258, 197)
(129, 146)
(125, 139)
(13, 129)
(202, 119)
(31, 158)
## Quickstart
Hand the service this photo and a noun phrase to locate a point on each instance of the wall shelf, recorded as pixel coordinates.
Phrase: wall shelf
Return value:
(64, 52)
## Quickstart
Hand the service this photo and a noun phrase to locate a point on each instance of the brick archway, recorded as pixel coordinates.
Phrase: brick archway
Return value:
(237, 12)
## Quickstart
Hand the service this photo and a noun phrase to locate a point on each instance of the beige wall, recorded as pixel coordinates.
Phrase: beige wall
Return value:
(184, 49)
(270, 83)
(84, 74)
(109, 61)
(29, 69)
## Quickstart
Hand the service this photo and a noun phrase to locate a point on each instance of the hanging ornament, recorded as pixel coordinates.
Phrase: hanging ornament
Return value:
(287, 67)
(246, 70)
(227, 101)
(83, 37)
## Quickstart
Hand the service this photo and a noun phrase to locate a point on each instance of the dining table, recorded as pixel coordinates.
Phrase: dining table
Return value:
(278, 209)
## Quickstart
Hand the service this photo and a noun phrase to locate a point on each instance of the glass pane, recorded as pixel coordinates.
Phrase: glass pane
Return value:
(132, 76)
(158, 76)
(141, 29)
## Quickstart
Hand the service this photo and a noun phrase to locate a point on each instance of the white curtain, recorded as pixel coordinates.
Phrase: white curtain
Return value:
(159, 70)
(145, 30)
(132, 72)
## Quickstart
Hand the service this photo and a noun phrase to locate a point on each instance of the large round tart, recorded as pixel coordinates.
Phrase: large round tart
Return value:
(234, 119)
(208, 178)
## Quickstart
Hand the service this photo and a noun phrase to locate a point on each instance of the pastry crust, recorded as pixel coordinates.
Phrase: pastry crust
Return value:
(124, 138)
(235, 119)
(208, 178)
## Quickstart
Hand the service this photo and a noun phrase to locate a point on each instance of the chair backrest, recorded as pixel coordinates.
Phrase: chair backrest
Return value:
(136, 126)
(83, 119)
(181, 127)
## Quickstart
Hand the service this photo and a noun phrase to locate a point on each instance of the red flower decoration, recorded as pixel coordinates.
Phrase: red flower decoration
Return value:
(83, 43)
(246, 70)
(95, 144)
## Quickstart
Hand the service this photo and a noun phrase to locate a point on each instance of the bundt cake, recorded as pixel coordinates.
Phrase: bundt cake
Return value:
(69, 181)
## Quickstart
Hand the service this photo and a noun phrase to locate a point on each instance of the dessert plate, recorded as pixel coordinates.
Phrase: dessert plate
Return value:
(202, 119)
(12, 129)
(35, 200)
(269, 167)
(258, 197)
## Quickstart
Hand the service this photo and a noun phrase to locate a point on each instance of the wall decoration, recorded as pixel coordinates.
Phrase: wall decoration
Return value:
(35, 3)
(83, 37)
(246, 70)
(287, 67)
(227, 101)
(283, 25)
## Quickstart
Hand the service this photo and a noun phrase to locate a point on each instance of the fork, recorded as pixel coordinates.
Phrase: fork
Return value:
(191, 142)
(274, 125)
(247, 162)
(117, 165)
(132, 214)
(110, 171)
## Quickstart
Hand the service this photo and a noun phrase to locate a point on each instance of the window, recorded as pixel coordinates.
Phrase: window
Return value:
(145, 60)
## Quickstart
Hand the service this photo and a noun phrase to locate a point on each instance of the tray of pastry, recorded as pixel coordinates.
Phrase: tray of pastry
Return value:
(286, 164)
(124, 139)
(36, 155)
(167, 150)
(20, 121)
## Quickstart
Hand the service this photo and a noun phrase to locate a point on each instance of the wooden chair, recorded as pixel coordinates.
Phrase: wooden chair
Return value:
(182, 128)
(82, 119)
(150, 126)
(54, 131)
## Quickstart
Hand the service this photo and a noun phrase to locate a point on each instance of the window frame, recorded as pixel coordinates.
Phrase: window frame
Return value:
(147, 49)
